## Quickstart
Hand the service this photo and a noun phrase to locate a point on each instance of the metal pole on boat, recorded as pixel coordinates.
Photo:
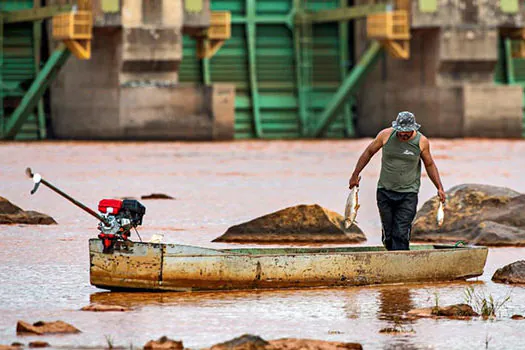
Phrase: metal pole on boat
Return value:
(37, 179)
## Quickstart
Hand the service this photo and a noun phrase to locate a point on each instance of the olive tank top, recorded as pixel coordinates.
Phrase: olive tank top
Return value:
(401, 165)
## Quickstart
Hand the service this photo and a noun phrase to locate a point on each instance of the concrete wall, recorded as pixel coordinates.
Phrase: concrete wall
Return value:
(449, 73)
(466, 13)
(151, 40)
(489, 110)
(129, 88)
(399, 85)
(129, 13)
(177, 113)
(85, 96)
(88, 101)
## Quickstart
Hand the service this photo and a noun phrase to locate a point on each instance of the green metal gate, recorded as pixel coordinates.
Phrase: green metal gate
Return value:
(510, 70)
(19, 65)
(285, 70)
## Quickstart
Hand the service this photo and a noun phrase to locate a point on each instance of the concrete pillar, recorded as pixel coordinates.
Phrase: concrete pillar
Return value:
(448, 80)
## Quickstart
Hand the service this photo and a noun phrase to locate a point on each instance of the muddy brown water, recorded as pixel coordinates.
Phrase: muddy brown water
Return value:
(44, 270)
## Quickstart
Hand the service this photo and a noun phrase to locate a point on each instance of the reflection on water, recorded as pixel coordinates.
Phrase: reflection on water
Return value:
(394, 302)
(44, 271)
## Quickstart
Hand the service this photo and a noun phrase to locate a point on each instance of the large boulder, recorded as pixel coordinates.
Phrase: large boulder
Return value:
(253, 342)
(164, 343)
(512, 273)
(298, 224)
(452, 311)
(244, 342)
(41, 327)
(311, 344)
(477, 214)
(11, 214)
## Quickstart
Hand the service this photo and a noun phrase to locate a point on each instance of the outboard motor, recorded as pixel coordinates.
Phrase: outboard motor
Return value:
(122, 216)
(116, 218)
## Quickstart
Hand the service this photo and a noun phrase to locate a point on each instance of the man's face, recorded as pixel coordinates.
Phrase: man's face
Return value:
(404, 136)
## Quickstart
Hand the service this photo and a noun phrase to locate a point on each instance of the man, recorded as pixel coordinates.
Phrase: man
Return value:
(398, 186)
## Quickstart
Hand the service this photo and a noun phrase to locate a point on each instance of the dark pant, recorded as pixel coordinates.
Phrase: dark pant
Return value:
(397, 210)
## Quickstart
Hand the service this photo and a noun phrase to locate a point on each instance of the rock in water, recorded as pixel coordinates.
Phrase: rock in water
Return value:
(163, 343)
(104, 308)
(513, 273)
(39, 344)
(40, 328)
(253, 342)
(452, 311)
(11, 214)
(156, 196)
(310, 344)
(298, 224)
(244, 342)
(477, 214)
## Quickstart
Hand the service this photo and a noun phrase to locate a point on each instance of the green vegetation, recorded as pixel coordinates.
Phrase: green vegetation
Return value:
(109, 340)
(484, 305)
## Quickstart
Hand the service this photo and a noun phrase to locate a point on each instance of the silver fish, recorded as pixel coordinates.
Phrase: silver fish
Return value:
(352, 205)
(440, 214)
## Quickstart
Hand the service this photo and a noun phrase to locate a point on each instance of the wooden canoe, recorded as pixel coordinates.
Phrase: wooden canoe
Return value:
(173, 267)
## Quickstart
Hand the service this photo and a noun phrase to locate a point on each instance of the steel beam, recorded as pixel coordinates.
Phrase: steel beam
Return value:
(347, 13)
(34, 14)
(2, 117)
(252, 65)
(348, 86)
(333, 15)
(37, 42)
(509, 62)
(30, 100)
(263, 19)
(343, 70)
(205, 66)
(301, 78)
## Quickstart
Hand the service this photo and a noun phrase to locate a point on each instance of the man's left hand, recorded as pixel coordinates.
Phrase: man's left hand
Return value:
(442, 196)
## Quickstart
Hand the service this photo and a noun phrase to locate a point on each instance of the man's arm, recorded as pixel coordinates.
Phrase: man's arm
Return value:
(368, 153)
(431, 167)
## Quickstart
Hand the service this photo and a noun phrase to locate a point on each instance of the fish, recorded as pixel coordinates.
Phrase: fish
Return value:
(352, 205)
(440, 214)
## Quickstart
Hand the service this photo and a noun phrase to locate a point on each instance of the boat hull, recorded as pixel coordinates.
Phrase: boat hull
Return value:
(170, 267)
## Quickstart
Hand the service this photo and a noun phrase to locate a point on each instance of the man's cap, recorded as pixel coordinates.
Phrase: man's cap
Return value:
(405, 122)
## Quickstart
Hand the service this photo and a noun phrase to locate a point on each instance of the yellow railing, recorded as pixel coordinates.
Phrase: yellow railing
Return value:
(392, 25)
(212, 39)
(75, 29)
(220, 25)
(73, 26)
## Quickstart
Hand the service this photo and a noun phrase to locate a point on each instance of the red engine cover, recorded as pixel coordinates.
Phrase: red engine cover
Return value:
(111, 206)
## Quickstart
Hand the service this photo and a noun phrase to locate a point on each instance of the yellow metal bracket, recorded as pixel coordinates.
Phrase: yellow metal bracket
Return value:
(80, 48)
(211, 40)
(75, 29)
(518, 40)
(208, 48)
(392, 30)
(399, 49)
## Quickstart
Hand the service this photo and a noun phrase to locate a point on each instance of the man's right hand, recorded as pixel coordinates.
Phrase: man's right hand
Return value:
(354, 181)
